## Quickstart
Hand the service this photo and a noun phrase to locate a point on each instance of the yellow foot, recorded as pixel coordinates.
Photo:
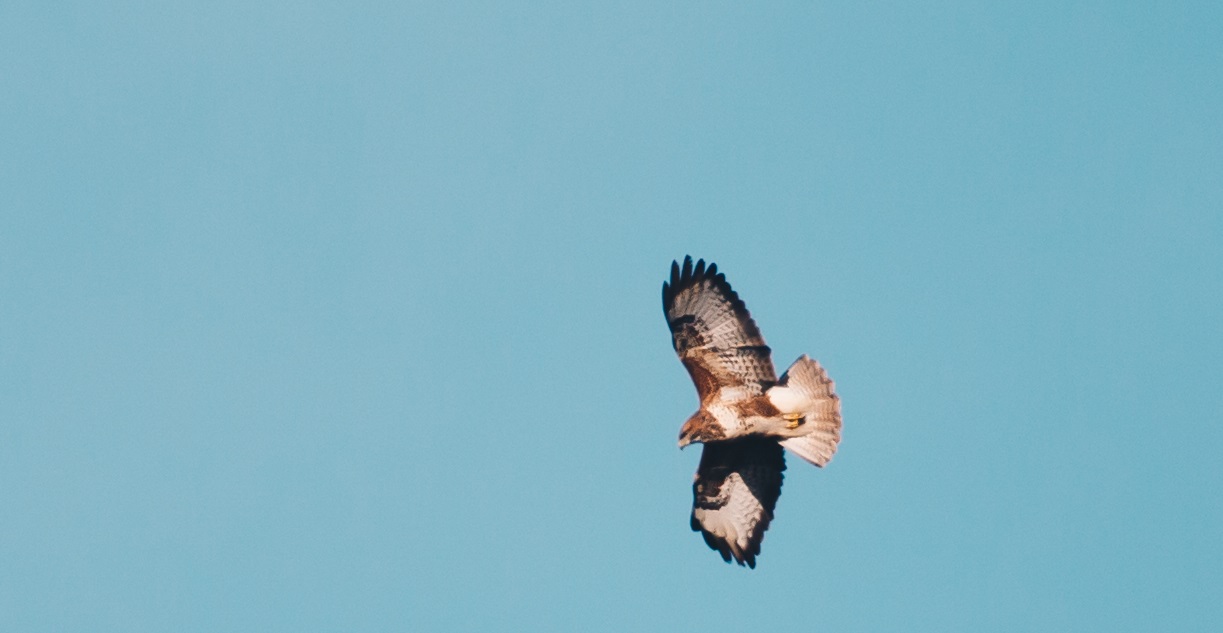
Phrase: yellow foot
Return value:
(793, 420)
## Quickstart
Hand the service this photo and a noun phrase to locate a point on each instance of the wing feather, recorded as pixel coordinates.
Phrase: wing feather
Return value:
(734, 493)
(713, 333)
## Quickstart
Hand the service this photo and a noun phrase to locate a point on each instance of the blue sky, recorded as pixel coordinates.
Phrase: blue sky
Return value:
(328, 318)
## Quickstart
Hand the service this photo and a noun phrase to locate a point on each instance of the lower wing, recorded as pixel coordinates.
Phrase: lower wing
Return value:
(734, 493)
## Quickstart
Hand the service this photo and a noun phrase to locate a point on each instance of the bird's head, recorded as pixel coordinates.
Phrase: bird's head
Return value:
(685, 436)
(701, 427)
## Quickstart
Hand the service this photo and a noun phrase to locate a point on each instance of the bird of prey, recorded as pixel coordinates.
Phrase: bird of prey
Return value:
(746, 415)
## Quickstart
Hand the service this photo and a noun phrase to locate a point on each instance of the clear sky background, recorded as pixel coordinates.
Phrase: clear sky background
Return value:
(322, 318)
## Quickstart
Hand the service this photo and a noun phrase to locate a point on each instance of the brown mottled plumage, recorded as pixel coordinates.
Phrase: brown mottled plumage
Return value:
(746, 414)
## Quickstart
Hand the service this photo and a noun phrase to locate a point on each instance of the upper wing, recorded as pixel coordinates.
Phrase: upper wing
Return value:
(734, 493)
(713, 333)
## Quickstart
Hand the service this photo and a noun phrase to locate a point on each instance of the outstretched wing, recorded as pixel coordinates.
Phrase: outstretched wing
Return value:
(734, 493)
(713, 333)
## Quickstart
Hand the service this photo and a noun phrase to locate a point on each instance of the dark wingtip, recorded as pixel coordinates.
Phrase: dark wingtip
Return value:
(668, 285)
(688, 275)
(681, 277)
(691, 272)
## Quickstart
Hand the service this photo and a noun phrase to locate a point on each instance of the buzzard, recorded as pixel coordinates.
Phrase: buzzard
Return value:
(746, 415)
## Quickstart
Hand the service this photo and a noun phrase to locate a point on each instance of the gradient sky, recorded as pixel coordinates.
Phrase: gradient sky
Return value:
(318, 318)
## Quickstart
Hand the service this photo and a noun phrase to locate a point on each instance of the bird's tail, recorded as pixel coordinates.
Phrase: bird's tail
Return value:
(807, 391)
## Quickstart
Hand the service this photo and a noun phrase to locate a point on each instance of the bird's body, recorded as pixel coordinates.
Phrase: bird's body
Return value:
(746, 413)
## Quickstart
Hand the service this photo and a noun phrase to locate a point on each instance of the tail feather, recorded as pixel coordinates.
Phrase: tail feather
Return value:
(806, 388)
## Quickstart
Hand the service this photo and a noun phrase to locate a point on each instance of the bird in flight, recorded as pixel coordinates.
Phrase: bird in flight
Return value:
(746, 415)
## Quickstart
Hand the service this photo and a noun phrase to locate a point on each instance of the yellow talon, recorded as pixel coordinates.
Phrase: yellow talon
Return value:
(793, 420)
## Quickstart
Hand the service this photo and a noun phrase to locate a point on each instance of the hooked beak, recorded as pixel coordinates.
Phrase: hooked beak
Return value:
(684, 440)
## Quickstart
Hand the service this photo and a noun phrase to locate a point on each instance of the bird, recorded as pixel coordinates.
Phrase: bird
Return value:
(747, 415)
